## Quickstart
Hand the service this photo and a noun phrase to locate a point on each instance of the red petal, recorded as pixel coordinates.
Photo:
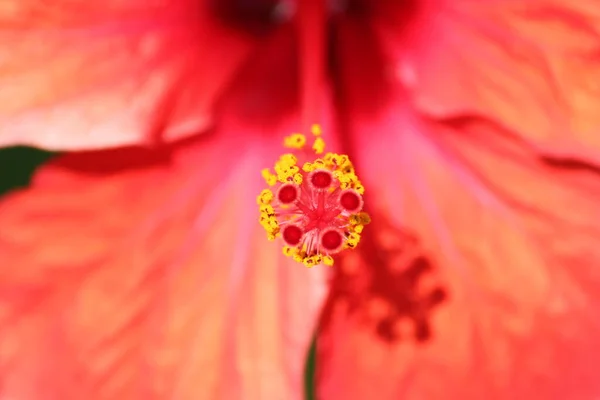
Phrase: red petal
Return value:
(491, 259)
(520, 62)
(150, 279)
(80, 75)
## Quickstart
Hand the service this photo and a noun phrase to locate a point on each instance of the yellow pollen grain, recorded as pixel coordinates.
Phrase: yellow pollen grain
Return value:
(298, 178)
(358, 222)
(354, 237)
(295, 141)
(328, 260)
(363, 218)
(319, 163)
(359, 188)
(347, 169)
(286, 167)
(338, 161)
(298, 257)
(267, 210)
(311, 261)
(343, 160)
(265, 197)
(270, 226)
(269, 177)
(358, 228)
(316, 130)
(319, 145)
(308, 167)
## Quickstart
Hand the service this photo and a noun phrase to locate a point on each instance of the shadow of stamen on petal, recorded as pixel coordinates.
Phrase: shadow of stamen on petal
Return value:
(389, 285)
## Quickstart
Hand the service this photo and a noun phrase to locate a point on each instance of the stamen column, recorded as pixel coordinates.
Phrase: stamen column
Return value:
(311, 25)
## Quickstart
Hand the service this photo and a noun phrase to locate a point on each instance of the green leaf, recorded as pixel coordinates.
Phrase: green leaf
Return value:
(17, 165)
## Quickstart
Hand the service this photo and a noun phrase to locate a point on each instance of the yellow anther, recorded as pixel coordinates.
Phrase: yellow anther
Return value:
(308, 167)
(266, 223)
(298, 178)
(285, 161)
(289, 251)
(311, 261)
(332, 160)
(295, 141)
(319, 163)
(319, 145)
(347, 168)
(298, 257)
(265, 197)
(269, 177)
(267, 210)
(361, 218)
(345, 178)
(316, 130)
(288, 158)
(365, 218)
(352, 240)
(359, 187)
(328, 260)
(287, 174)
(358, 228)
(270, 224)
(286, 167)
(338, 161)
(343, 160)
(308, 262)
(354, 237)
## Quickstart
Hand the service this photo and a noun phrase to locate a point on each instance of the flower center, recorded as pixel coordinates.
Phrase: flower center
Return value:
(315, 209)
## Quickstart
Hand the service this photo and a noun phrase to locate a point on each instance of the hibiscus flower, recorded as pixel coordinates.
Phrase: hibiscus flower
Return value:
(134, 266)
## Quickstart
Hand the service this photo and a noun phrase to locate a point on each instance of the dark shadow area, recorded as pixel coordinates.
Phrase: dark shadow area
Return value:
(254, 17)
(359, 66)
(266, 90)
(572, 164)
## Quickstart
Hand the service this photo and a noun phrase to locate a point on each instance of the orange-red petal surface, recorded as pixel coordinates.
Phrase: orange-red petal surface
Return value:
(481, 279)
(533, 65)
(151, 281)
(80, 74)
